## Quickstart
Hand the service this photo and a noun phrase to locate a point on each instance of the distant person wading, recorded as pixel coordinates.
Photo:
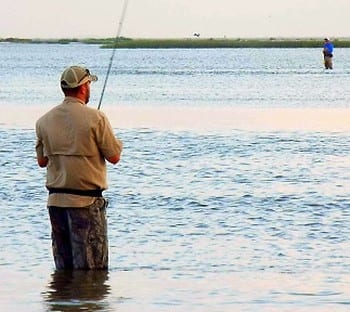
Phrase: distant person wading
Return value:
(328, 53)
(73, 143)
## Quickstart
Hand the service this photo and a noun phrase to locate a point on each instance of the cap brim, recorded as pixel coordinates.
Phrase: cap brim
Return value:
(93, 78)
(90, 78)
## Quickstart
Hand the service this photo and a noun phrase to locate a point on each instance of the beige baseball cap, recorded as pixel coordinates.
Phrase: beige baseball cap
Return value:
(75, 76)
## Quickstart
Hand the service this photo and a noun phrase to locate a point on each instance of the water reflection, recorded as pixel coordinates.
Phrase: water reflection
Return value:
(78, 290)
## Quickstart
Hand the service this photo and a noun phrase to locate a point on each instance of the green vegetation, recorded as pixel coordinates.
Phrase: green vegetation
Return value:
(127, 43)
(222, 43)
(35, 41)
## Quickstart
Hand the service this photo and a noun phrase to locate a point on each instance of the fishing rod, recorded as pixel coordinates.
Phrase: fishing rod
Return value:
(121, 20)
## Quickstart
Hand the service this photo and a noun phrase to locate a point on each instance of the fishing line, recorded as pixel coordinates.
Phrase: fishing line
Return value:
(121, 20)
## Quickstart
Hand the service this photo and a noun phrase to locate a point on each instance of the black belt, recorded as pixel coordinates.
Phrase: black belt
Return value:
(92, 193)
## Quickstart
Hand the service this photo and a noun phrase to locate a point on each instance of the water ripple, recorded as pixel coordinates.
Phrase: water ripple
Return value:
(233, 203)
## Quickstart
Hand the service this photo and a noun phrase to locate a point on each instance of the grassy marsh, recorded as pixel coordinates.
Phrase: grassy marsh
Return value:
(191, 43)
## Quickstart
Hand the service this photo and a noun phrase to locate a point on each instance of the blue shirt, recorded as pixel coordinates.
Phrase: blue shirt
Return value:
(328, 46)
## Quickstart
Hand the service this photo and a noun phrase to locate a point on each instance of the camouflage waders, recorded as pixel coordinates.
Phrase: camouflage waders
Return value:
(79, 236)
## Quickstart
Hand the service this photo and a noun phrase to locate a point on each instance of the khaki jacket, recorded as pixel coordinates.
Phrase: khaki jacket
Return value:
(76, 139)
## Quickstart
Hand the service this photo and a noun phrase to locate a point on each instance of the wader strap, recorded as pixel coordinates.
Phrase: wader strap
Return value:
(92, 193)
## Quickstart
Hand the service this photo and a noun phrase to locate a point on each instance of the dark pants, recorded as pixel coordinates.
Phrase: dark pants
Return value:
(79, 236)
(328, 62)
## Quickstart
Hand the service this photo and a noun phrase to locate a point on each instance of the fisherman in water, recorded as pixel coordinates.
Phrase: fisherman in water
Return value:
(328, 53)
(73, 143)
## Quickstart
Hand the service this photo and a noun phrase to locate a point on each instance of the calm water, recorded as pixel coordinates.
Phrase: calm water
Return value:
(225, 77)
(199, 220)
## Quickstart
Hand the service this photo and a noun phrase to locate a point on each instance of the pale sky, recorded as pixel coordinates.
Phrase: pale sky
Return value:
(175, 18)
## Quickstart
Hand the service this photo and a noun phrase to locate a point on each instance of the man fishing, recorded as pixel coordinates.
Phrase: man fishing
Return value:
(73, 143)
(328, 53)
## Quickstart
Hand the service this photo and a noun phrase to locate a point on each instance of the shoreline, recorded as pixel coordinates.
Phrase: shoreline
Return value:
(192, 43)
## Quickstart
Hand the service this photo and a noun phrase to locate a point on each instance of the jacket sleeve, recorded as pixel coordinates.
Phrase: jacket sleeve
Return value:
(108, 144)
